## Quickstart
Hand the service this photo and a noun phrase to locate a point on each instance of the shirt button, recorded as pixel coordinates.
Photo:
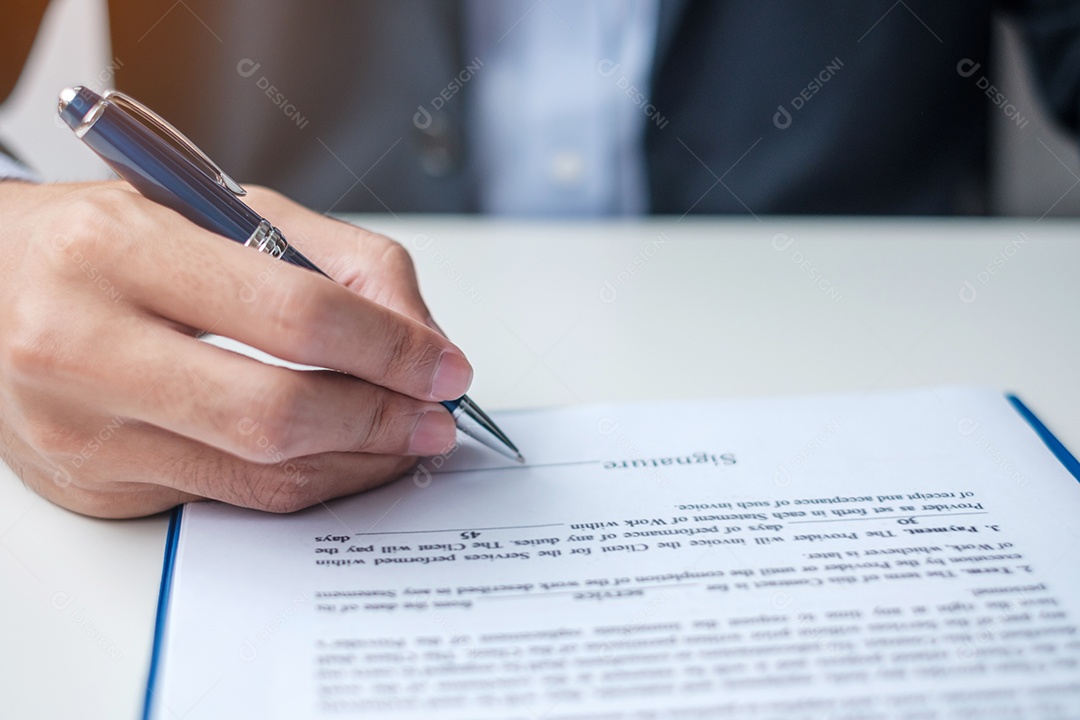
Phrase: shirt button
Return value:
(567, 167)
(437, 147)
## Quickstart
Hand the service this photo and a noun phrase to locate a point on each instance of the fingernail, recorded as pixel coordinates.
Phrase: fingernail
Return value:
(434, 433)
(452, 377)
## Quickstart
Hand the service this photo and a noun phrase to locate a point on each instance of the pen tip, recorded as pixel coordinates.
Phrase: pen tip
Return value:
(520, 458)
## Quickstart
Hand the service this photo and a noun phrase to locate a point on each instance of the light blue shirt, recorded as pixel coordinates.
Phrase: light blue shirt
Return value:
(10, 168)
(560, 103)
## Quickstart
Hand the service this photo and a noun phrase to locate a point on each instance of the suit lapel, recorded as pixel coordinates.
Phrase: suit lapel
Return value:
(671, 13)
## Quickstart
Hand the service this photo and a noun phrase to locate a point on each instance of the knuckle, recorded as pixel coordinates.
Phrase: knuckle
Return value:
(272, 435)
(299, 313)
(244, 484)
(52, 439)
(32, 349)
(93, 228)
(378, 416)
(42, 337)
(409, 354)
(396, 258)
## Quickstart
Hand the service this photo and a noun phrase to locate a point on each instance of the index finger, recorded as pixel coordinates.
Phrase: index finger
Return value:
(162, 262)
(369, 264)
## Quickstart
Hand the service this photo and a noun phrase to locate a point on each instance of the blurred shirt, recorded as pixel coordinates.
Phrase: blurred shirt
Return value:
(790, 107)
(556, 123)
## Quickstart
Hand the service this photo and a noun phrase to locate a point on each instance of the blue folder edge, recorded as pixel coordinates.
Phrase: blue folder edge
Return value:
(171, 539)
(1052, 443)
(1055, 446)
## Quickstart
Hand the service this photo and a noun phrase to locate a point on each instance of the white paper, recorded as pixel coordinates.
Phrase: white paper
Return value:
(905, 555)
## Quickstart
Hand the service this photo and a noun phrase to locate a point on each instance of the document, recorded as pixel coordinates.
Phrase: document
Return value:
(898, 555)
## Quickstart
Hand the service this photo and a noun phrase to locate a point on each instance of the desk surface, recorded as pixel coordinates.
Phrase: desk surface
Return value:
(562, 313)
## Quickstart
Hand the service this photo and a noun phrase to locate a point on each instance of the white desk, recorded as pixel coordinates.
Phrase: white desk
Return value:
(578, 312)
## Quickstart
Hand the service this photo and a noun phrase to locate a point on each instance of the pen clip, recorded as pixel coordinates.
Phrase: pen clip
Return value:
(161, 127)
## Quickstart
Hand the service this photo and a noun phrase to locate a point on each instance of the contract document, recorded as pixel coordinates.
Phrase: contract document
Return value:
(898, 555)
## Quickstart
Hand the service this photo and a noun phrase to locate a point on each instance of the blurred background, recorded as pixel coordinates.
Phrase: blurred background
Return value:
(1031, 171)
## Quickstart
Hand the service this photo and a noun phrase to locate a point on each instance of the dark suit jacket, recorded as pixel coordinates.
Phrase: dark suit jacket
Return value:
(321, 99)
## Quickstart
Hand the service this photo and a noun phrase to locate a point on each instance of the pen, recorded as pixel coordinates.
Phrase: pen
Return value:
(166, 167)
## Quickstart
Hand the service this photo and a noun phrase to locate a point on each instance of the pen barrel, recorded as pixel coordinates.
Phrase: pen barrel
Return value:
(152, 167)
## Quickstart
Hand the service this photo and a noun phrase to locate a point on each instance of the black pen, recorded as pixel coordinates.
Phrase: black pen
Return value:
(166, 167)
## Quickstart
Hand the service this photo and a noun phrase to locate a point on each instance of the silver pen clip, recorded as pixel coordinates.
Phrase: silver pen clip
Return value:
(161, 127)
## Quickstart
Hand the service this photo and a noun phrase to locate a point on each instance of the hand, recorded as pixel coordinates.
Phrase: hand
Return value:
(111, 407)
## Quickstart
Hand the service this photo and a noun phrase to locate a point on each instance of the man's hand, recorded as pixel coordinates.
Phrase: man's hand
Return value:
(110, 406)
